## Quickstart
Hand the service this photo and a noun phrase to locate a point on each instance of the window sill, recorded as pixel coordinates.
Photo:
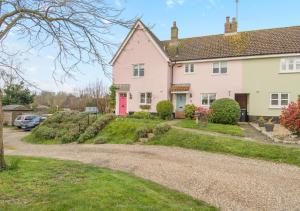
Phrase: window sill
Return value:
(185, 73)
(277, 107)
(289, 72)
(137, 77)
(219, 74)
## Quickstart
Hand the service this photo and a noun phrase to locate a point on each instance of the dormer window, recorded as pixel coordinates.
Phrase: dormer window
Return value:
(189, 68)
(138, 70)
(290, 65)
(219, 68)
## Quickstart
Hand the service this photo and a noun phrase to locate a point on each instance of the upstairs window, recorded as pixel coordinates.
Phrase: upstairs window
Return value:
(219, 68)
(138, 70)
(207, 99)
(146, 98)
(189, 68)
(279, 100)
(290, 65)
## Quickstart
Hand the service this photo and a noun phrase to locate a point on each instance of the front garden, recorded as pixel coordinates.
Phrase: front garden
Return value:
(234, 130)
(144, 128)
(46, 184)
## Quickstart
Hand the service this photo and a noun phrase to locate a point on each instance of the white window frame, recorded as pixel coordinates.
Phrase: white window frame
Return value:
(219, 64)
(285, 64)
(139, 70)
(208, 99)
(189, 68)
(146, 98)
(280, 106)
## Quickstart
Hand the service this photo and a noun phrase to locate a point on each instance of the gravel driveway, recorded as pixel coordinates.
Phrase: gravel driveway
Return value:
(228, 182)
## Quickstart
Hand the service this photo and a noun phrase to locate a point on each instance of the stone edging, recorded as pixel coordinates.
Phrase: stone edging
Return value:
(269, 135)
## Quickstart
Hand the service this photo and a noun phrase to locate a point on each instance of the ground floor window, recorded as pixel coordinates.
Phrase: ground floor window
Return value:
(146, 98)
(207, 99)
(279, 100)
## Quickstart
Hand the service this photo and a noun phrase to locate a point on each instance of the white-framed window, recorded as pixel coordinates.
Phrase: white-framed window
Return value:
(207, 99)
(219, 68)
(138, 70)
(189, 68)
(290, 65)
(279, 100)
(146, 98)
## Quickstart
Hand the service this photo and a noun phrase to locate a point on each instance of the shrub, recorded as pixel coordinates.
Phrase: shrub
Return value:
(164, 109)
(161, 129)
(142, 132)
(189, 111)
(203, 115)
(225, 111)
(290, 117)
(141, 115)
(45, 132)
(96, 127)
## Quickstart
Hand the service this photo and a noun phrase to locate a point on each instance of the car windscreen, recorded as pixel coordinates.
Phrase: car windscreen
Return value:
(29, 117)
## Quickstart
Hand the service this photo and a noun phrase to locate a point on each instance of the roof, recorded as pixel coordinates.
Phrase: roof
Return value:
(251, 43)
(151, 35)
(242, 44)
(15, 108)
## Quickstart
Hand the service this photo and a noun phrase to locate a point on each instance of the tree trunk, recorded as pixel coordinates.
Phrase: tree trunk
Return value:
(2, 161)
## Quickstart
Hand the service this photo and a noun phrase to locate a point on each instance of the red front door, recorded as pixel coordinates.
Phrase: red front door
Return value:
(122, 104)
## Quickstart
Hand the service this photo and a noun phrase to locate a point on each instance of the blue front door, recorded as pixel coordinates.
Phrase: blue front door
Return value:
(180, 102)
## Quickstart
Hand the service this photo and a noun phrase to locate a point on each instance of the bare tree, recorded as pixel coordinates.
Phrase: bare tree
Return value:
(78, 30)
(95, 94)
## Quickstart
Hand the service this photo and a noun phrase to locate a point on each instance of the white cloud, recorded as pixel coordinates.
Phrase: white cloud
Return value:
(171, 3)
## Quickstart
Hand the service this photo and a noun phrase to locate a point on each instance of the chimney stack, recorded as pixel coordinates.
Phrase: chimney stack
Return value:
(174, 33)
(231, 27)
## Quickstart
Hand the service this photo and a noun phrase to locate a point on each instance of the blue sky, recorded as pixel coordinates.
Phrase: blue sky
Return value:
(194, 18)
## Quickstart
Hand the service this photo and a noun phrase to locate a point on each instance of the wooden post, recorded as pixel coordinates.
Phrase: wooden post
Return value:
(2, 161)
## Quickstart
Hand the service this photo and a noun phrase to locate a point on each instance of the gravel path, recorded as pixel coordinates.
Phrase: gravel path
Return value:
(228, 182)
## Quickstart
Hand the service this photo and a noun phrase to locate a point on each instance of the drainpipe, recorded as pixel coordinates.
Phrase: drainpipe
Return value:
(172, 65)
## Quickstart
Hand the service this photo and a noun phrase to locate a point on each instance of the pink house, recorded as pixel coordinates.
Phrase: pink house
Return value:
(195, 70)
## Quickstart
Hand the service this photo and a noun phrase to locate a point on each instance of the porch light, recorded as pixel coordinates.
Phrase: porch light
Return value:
(130, 96)
(191, 95)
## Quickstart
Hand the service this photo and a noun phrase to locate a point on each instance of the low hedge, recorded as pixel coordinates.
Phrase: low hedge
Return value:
(96, 127)
(141, 115)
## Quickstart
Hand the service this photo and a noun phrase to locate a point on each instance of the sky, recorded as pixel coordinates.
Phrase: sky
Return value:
(194, 18)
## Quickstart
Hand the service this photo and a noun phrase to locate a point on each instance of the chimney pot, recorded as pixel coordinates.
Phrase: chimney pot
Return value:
(231, 26)
(227, 19)
(174, 34)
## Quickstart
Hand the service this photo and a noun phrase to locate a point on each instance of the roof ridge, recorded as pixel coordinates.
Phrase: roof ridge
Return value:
(215, 35)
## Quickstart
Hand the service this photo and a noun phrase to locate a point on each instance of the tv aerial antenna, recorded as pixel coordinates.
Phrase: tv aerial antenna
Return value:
(237, 10)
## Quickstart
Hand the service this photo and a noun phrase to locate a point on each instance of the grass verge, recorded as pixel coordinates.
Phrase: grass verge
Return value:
(228, 146)
(45, 184)
(219, 128)
(122, 130)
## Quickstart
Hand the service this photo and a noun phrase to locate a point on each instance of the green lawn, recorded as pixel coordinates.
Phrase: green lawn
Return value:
(236, 147)
(122, 130)
(219, 128)
(44, 184)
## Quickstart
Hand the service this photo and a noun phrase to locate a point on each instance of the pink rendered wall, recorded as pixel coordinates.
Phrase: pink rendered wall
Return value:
(203, 81)
(141, 50)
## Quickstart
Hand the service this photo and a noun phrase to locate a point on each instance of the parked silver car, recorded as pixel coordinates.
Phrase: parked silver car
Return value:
(21, 119)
